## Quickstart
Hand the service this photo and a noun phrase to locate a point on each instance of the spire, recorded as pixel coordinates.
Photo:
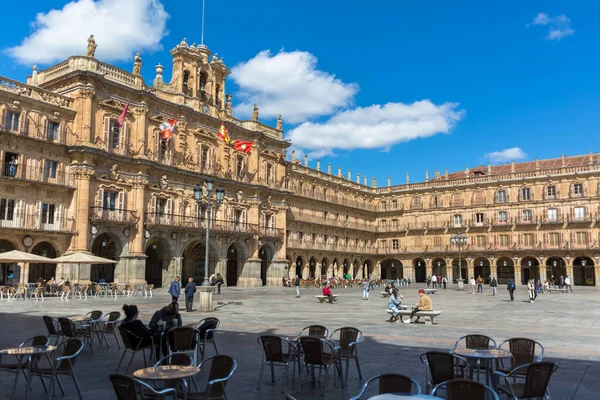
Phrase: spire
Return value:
(318, 164)
(279, 125)
(407, 178)
(339, 172)
(293, 155)
(374, 182)
(591, 158)
(358, 178)
(489, 169)
(537, 163)
(427, 176)
(467, 171)
(563, 163)
(365, 180)
(389, 181)
(349, 175)
(512, 167)
(306, 160)
(329, 168)
(446, 173)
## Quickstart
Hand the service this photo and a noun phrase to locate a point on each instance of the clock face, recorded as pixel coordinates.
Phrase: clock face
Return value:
(205, 109)
(27, 241)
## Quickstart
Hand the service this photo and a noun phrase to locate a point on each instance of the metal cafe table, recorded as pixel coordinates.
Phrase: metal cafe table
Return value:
(167, 373)
(485, 357)
(20, 353)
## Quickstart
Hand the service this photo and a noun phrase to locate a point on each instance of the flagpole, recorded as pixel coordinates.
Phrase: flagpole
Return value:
(202, 38)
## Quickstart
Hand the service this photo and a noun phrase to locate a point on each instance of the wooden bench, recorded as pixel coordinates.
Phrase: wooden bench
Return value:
(430, 291)
(559, 290)
(428, 315)
(385, 294)
(323, 299)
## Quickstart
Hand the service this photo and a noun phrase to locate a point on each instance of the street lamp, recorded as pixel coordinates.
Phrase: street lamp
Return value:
(459, 240)
(198, 197)
(583, 262)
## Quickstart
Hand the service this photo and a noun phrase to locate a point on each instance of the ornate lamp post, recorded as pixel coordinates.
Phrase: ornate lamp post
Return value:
(198, 196)
(459, 240)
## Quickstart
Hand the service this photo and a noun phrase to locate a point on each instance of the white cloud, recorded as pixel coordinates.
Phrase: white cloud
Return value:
(120, 27)
(514, 153)
(290, 84)
(376, 127)
(559, 26)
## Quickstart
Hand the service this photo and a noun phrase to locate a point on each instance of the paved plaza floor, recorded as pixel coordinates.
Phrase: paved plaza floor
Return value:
(568, 325)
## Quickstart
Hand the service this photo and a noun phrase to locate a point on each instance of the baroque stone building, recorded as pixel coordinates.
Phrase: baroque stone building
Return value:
(72, 179)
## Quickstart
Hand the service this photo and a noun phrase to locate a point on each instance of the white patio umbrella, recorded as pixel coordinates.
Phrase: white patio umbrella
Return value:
(16, 257)
(82, 258)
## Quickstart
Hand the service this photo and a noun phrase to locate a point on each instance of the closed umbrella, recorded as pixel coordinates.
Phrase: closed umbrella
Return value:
(82, 258)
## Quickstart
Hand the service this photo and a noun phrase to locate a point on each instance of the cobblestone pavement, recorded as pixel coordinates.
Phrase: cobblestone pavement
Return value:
(568, 325)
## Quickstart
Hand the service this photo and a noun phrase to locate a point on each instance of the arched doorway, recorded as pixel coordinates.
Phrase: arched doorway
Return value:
(420, 270)
(155, 263)
(356, 271)
(346, 267)
(289, 266)
(530, 269)
(8, 271)
(583, 272)
(335, 264)
(367, 269)
(391, 269)
(555, 268)
(506, 270)
(438, 267)
(265, 260)
(299, 264)
(232, 265)
(107, 247)
(312, 268)
(464, 269)
(481, 267)
(193, 262)
(42, 271)
(325, 268)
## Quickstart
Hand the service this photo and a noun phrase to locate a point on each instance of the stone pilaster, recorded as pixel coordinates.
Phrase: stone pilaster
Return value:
(250, 276)
(137, 202)
(543, 273)
(82, 174)
(175, 268)
(470, 272)
(449, 273)
(277, 269)
(131, 270)
(517, 275)
(409, 273)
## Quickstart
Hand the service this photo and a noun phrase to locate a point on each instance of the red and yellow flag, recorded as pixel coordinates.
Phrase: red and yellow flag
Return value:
(223, 134)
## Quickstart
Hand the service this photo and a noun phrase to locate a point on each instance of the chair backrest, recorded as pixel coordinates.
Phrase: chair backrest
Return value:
(273, 347)
(478, 342)
(522, 350)
(126, 338)
(312, 349)
(71, 349)
(176, 359)
(347, 336)
(207, 323)
(42, 341)
(66, 326)
(538, 378)
(221, 367)
(396, 383)
(460, 389)
(441, 366)
(49, 321)
(124, 386)
(182, 338)
(95, 315)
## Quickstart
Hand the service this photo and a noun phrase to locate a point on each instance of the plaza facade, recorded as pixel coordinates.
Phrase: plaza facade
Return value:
(74, 179)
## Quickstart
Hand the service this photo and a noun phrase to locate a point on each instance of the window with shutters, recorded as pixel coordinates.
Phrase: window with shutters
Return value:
(437, 241)
(528, 239)
(552, 215)
(49, 216)
(581, 238)
(7, 210)
(394, 225)
(578, 189)
(269, 173)
(526, 194)
(50, 168)
(205, 162)
(239, 167)
(394, 204)
(109, 202)
(52, 131)
(11, 121)
(383, 206)
(579, 213)
(527, 216)
(551, 192)
(114, 135)
(480, 241)
(501, 196)
(164, 150)
(395, 244)
(554, 239)
(11, 167)
(436, 203)
(504, 240)
(458, 220)
(502, 217)
(48, 211)
(479, 218)
(383, 224)
(383, 245)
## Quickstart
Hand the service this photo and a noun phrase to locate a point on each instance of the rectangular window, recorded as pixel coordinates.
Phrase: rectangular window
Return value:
(7, 209)
(504, 240)
(552, 214)
(581, 238)
(325, 239)
(395, 244)
(163, 150)
(239, 166)
(161, 207)
(578, 189)
(52, 131)
(502, 217)
(480, 241)
(204, 162)
(479, 218)
(551, 192)
(579, 213)
(436, 202)
(48, 213)
(114, 135)
(501, 196)
(437, 241)
(394, 224)
(458, 220)
(528, 239)
(110, 200)
(394, 204)
(383, 224)
(527, 216)
(384, 244)
(383, 205)
(314, 237)
(525, 194)
(269, 173)
(554, 239)
(50, 169)
(301, 236)
(12, 121)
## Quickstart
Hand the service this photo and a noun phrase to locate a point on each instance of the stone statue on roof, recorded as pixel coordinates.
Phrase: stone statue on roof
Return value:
(255, 113)
(137, 64)
(91, 47)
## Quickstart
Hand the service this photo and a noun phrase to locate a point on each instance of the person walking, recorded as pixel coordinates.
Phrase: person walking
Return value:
(175, 289)
(297, 285)
(511, 289)
(479, 284)
(472, 284)
(568, 283)
(531, 289)
(366, 287)
(190, 290)
(494, 285)
(444, 282)
(434, 281)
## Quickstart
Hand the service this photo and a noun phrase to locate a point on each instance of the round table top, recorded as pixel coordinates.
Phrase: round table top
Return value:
(24, 351)
(167, 372)
(481, 353)
(392, 396)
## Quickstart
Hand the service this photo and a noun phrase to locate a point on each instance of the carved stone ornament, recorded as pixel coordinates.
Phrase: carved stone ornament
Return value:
(164, 182)
(239, 197)
(114, 172)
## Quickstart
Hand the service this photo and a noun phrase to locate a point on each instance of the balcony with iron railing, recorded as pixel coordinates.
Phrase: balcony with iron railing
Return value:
(271, 232)
(26, 127)
(114, 216)
(328, 221)
(51, 176)
(189, 222)
(38, 222)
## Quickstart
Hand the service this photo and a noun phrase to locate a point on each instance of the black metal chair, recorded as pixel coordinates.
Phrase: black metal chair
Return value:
(207, 329)
(110, 323)
(478, 342)
(443, 366)
(523, 352)
(392, 383)
(62, 365)
(129, 388)
(314, 330)
(321, 353)
(51, 324)
(537, 377)
(462, 389)
(74, 330)
(183, 339)
(275, 356)
(135, 344)
(21, 365)
(348, 340)
(222, 368)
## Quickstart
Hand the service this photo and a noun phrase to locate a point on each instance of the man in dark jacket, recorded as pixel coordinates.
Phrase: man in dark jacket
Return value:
(175, 289)
(190, 290)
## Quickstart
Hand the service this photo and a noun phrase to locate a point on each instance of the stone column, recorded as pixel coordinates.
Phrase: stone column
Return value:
(135, 259)
(84, 122)
(470, 272)
(250, 276)
(543, 273)
(449, 273)
(277, 269)
(597, 273)
(494, 269)
(409, 273)
(517, 275)
(82, 174)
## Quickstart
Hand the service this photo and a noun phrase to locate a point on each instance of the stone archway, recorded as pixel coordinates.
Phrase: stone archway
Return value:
(233, 261)
(194, 255)
(482, 267)
(391, 269)
(312, 268)
(8, 271)
(420, 270)
(583, 271)
(155, 262)
(299, 264)
(556, 267)
(106, 246)
(43, 271)
(438, 267)
(266, 256)
(505, 267)
(530, 269)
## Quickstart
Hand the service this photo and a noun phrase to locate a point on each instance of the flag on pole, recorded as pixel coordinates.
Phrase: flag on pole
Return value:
(123, 115)
(243, 146)
(168, 128)
(223, 134)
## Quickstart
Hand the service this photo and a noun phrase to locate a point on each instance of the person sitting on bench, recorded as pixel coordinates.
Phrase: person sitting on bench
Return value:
(424, 304)
(327, 292)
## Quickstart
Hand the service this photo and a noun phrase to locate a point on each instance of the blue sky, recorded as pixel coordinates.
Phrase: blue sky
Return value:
(382, 87)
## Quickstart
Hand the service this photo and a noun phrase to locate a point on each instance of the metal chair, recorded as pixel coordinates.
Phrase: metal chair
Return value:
(274, 355)
(110, 326)
(74, 330)
(96, 323)
(51, 324)
(184, 340)
(177, 359)
(478, 342)
(62, 365)
(392, 383)
(348, 341)
(148, 290)
(207, 328)
(443, 366)
(314, 330)
(523, 352)
(20, 365)
(129, 388)
(134, 344)
(460, 389)
(537, 377)
(222, 368)
(320, 353)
